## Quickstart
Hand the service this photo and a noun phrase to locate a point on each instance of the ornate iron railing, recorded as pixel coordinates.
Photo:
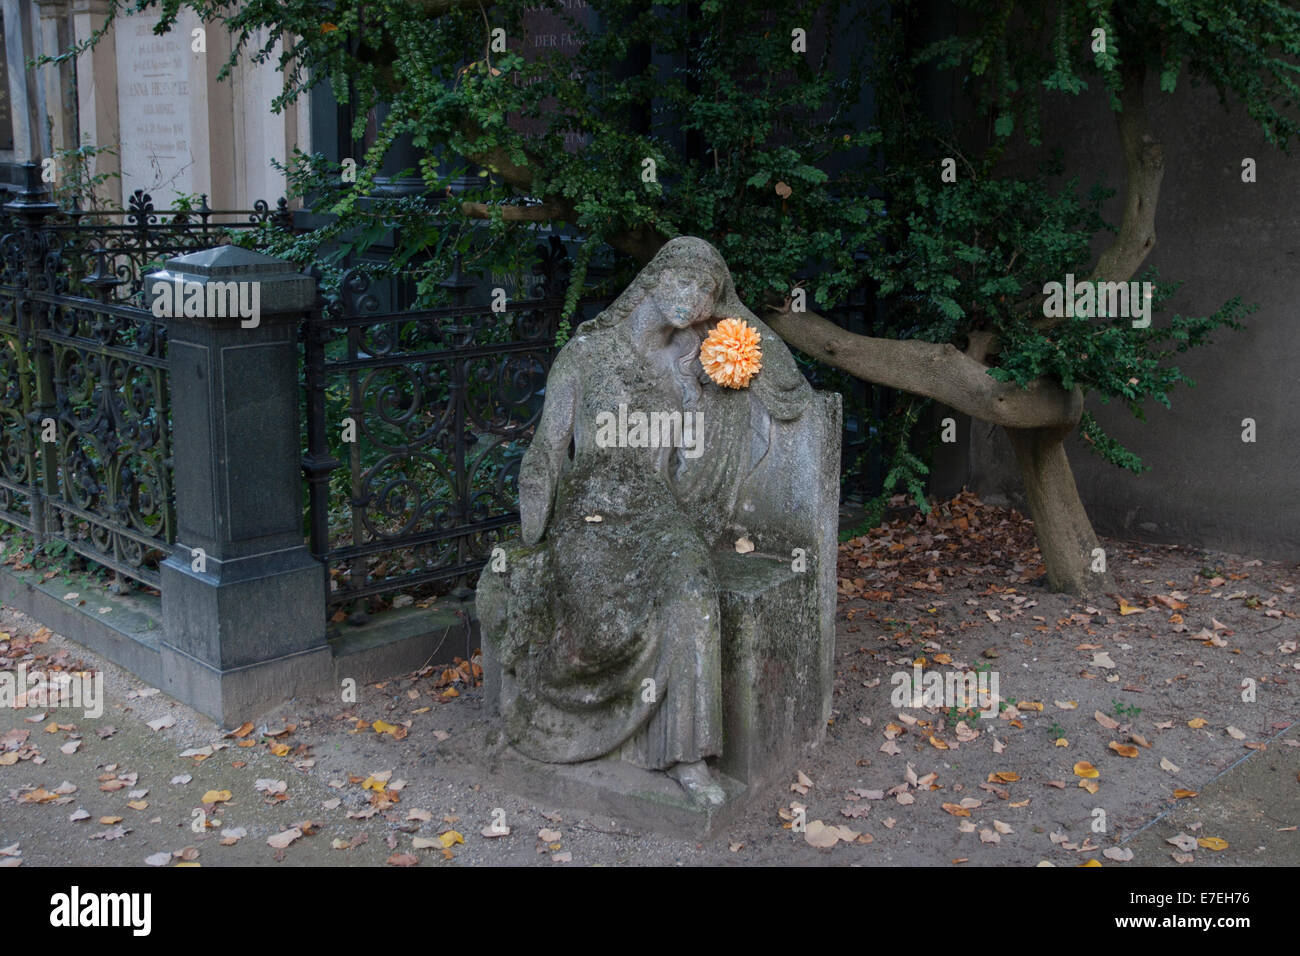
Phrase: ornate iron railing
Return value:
(85, 439)
(105, 254)
(417, 421)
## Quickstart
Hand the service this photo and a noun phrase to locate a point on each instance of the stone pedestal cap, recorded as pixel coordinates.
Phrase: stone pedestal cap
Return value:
(282, 287)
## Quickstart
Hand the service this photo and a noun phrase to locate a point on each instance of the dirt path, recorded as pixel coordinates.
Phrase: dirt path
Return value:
(1196, 670)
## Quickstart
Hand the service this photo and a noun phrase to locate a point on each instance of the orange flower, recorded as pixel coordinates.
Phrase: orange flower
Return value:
(731, 354)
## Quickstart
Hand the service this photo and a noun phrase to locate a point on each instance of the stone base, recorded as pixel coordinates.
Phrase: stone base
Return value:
(125, 628)
(773, 692)
(402, 640)
(774, 695)
(635, 799)
(244, 611)
(237, 694)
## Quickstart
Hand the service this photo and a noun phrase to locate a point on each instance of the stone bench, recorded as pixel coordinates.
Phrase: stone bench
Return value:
(772, 673)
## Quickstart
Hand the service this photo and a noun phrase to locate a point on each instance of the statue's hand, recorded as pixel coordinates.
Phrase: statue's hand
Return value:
(534, 506)
(539, 472)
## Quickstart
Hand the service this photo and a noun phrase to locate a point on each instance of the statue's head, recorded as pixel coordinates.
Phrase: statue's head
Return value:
(686, 296)
(689, 282)
(692, 286)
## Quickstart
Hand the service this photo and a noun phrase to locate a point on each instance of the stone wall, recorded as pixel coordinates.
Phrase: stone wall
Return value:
(1221, 237)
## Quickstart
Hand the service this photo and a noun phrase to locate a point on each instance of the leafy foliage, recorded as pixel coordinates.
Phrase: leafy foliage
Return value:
(765, 149)
(1010, 53)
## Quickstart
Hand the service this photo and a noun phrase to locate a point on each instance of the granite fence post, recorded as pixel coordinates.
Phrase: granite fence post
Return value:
(243, 599)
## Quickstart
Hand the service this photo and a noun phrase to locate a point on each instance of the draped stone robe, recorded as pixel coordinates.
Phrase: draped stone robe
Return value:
(608, 632)
(633, 655)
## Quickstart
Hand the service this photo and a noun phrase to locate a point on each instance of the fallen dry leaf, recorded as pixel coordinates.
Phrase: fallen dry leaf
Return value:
(820, 835)
(284, 838)
(1107, 722)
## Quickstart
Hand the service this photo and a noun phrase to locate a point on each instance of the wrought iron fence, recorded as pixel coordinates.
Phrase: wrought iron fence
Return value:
(105, 254)
(85, 439)
(417, 421)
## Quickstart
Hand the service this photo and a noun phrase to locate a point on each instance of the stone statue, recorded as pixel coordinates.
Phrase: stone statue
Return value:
(639, 481)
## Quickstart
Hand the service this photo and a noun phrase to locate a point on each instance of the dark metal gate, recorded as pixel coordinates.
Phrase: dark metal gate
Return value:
(85, 425)
(417, 421)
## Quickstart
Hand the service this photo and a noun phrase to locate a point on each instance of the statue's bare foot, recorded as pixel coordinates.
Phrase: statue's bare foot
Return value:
(696, 780)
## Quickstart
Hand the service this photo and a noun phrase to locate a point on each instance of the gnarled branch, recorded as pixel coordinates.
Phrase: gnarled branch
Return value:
(1144, 168)
(540, 212)
(941, 372)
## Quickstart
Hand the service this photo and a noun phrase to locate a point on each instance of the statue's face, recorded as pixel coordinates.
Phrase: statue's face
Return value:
(686, 296)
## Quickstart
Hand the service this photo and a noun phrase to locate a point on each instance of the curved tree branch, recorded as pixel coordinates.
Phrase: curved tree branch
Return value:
(1144, 166)
(941, 372)
(541, 212)
(1144, 162)
(497, 160)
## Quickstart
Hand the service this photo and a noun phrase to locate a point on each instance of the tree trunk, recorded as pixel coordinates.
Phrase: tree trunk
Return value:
(1065, 535)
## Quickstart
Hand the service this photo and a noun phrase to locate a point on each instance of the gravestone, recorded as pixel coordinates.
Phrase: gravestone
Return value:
(552, 31)
(658, 645)
(157, 79)
(155, 103)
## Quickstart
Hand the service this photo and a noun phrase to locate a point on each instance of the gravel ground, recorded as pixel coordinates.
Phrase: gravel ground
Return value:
(1163, 687)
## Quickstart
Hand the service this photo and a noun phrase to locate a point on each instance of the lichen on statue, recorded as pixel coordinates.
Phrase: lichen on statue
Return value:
(626, 657)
